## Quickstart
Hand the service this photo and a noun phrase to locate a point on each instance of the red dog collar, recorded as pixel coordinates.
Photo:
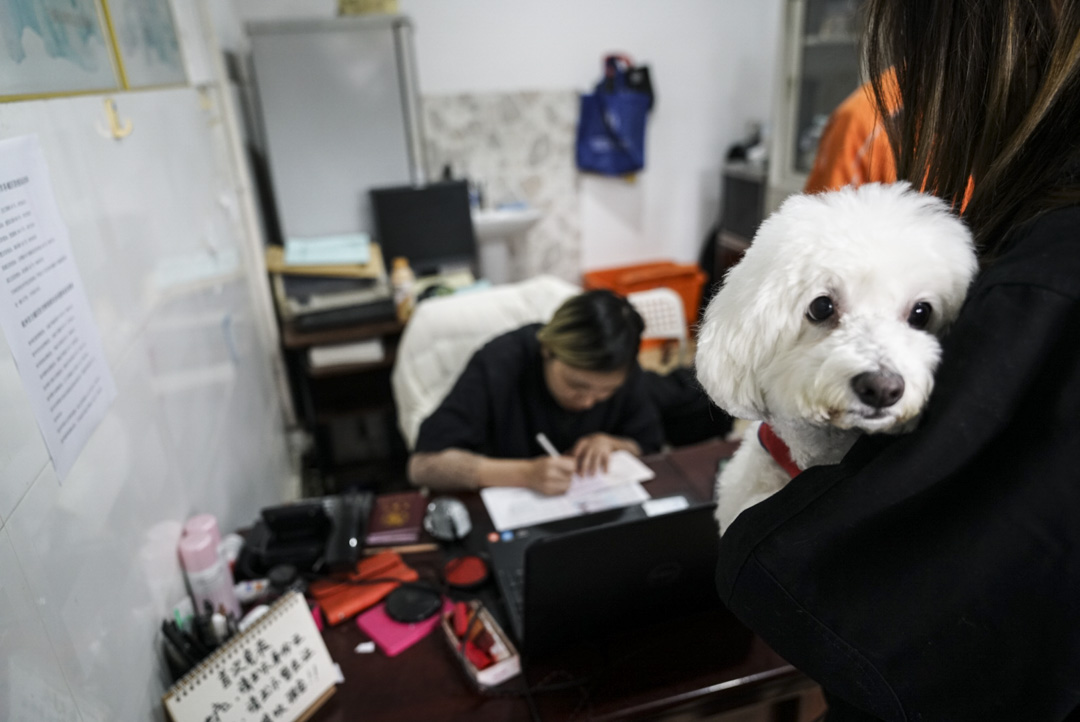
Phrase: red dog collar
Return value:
(777, 449)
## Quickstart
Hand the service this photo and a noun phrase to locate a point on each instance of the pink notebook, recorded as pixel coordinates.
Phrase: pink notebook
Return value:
(393, 637)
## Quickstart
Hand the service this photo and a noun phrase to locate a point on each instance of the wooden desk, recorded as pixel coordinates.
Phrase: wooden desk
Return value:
(699, 665)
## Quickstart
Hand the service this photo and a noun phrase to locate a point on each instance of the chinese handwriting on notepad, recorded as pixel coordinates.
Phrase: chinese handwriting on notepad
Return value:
(259, 670)
(216, 710)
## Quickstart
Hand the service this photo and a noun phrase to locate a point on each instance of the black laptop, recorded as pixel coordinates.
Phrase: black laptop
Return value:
(584, 578)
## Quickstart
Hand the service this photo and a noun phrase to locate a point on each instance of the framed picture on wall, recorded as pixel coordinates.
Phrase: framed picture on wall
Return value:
(54, 47)
(146, 43)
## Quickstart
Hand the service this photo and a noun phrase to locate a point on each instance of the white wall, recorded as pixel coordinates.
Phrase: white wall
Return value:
(712, 62)
(88, 565)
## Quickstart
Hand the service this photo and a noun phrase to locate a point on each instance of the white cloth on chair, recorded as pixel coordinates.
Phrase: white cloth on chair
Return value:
(444, 332)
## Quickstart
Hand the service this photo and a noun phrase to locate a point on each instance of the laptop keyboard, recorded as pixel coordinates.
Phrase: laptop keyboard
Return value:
(513, 582)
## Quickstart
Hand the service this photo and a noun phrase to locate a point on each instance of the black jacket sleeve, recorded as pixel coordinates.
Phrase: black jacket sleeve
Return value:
(461, 420)
(936, 575)
(640, 419)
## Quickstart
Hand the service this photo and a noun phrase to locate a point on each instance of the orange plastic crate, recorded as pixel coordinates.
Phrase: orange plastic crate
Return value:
(686, 279)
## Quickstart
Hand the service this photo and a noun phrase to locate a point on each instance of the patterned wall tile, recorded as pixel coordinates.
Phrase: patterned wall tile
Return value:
(520, 146)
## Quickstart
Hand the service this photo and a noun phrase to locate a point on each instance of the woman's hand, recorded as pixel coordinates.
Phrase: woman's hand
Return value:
(551, 474)
(591, 452)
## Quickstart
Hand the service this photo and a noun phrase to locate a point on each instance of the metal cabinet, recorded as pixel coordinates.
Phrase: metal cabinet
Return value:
(339, 109)
(337, 104)
(820, 66)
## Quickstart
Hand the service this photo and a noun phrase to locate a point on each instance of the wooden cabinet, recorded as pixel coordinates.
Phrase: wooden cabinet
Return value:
(349, 408)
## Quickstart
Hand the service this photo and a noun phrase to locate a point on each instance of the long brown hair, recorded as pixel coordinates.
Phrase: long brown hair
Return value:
(989, 90)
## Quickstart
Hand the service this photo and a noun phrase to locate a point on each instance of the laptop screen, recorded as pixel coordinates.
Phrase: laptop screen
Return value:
(611, 578)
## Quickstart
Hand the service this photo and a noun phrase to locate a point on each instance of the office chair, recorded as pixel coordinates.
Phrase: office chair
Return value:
(444, 332)
(662, 310)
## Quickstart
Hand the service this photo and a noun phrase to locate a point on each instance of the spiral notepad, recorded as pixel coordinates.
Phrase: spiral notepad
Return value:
(279, 669)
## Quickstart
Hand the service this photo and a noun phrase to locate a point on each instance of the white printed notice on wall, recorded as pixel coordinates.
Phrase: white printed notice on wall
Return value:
(44, 310)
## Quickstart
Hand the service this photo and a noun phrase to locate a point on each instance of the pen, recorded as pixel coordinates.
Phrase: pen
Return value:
(403, 549)
(545, 442)
(176, 638)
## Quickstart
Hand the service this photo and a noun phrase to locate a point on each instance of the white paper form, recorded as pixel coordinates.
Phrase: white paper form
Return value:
(44, 311)
(513, 508)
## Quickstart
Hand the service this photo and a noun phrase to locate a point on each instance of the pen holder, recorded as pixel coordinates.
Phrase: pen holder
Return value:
(500, 658)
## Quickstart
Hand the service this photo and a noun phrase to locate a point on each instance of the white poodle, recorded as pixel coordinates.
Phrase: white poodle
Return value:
(828, 328)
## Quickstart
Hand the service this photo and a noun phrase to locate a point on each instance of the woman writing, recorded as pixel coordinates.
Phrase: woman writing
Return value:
(935, 576)
(575, 380)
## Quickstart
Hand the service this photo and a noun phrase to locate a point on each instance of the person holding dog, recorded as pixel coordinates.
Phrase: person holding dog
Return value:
(575, 380)
(934, 575)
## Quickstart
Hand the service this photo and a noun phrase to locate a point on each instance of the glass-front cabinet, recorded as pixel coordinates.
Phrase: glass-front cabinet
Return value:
(819, 67)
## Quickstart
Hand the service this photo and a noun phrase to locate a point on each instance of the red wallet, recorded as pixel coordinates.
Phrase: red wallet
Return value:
(344, 596)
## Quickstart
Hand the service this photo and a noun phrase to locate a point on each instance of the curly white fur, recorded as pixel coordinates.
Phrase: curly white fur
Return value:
(875, 252)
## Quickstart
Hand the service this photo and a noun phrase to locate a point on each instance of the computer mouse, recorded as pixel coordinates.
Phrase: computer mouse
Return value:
(447, 519)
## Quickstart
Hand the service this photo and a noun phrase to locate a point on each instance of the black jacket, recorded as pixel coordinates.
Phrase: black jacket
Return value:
(501, 401)
(936, 575)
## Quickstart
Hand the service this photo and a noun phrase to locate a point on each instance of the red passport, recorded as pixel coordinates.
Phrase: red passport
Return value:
(396, 518)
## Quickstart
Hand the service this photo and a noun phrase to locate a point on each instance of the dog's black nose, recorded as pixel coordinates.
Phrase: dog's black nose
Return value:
(878, 389)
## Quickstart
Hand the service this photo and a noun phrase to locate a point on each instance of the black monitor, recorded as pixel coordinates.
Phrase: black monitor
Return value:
(430, 225)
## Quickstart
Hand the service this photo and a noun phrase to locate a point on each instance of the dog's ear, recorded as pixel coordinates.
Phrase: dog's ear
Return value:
(749, 321)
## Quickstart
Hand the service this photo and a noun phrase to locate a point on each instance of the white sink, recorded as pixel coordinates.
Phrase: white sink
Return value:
(499, 234)
(503, 223)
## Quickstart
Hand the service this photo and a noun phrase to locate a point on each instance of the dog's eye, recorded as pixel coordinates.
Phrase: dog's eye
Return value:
(920, 315)
(821, 308)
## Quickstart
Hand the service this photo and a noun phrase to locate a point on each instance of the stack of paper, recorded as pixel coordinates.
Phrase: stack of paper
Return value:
(314, 300)
(513, 508)
(331, 280)
(373, 268)
(361, 352)
(353, 248)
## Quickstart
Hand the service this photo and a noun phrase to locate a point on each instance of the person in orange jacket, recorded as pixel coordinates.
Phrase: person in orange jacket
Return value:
(854, 148)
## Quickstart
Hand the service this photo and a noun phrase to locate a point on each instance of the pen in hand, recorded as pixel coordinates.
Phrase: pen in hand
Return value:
(546, 444)
(556, 473)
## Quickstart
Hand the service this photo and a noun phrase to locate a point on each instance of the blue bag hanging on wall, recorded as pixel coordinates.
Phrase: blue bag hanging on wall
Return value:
(611, 127)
